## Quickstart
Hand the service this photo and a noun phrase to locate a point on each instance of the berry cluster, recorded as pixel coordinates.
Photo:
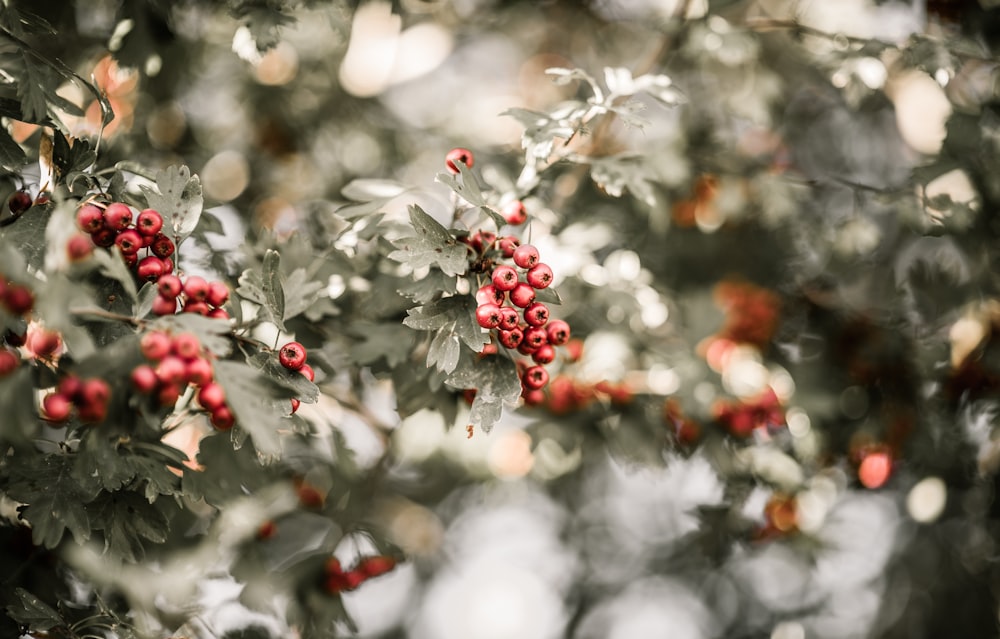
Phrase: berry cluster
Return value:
(523, 324)
(194, 294)
(293, 357)
(89, 397)
(338, 580)
(113, 225)
(742, 418)
(174, 362)
(16, 299)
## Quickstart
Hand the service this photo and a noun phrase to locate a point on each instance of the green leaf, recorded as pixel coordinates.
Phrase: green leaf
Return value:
(469, 188)
(495, 381)
(257, 402)
(178, 198)
(17, 398)
(225, 474)
(433, 245)
(12, 156)
(432, 285)
(264, 287)
(33, 612)
(68, 159)
(27, 234)
(444, 350)
(55, 499)
(214, 334)
(295, 381)
(31, 88)
(366, 190)
(300, 292)
(392, 341)
(126, 519)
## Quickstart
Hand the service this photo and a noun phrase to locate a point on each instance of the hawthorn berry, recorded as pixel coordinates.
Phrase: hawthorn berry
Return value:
(309, 496)
(535, 377)
(196, 288)
(72, 387)
(515, 213)
(459, 155)
(155, 345)
(504, 278)
(162, 246)
(295, 404)
(129, 241)
(308, 372)
(168, 394)
(375, 566)
(56, 407)
(507, 245)
(539, 276)
(537, 314)
(19, 202)
(558, 333)
(169, 286)
(150, 268)
(512, 338)
(171, 370)
(43, 343)
(144, 378)
(79, 247)
(509, 318)
(18, 299)
(218, 313)
(149, 222)
(222, 418)
(168, 265)
(164, 305)
(218, 294)
(94, 392)
(211, 396)
(544, 354)
(534, 336)
(292, 356)
(526, 256)
(267, 530)
(104, 237)
(522, 295)
(488, 349)
(195, 306)
(8, 361)
(130, 259)
(533, 396)
(489, 294)
(488, 315)
(199, 371)
(874, 470)
(117, 216)
(186, 346)
(90, 218)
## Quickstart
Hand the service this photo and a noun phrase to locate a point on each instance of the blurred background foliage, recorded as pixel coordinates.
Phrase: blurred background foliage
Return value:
(782, 270)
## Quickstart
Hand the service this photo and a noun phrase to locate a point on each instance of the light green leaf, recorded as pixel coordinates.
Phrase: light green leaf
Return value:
(178, 198)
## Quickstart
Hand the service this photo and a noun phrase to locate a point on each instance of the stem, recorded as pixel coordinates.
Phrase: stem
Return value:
(96, 312)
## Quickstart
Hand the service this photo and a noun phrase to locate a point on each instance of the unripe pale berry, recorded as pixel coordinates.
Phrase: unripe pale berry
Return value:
(522, 295)
(117, 216)
(536, 314)
(504, 278)
(149, 222)
(144, 379)
(56, 407)
(515, 213)
(459, 155)
(211, 396)
(488, 315)
(90, 218)
(509, 318)
(292, 356)
(489, 294)
(164, 305)
(539, 276)
(535, 378)
(150, 268)
(169, 286)
(526, 256)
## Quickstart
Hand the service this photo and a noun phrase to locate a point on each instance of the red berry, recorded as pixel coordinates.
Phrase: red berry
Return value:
(292, 356)
(95, 392)
(309, 495)
(533, 397)
(218, 313)
(308, 372)
(149, 222)
(186, 346)
(295, 405)
(43, 343)
(194, 306)
(333, 566)
(90, 218)
(515, 213)
(511, 339)
(539, 276)
(117, 216)
(526, 256)
(537, 314)
(222, 418)
(56, 407)
(196, 288)
(130, 260)
(267, 530)
(162, 245)
(488, 349)
(522, 295)
(211, 396)
(544, 354)
(129, 241)
(79, 247)
(199, 371)
(489, 294)
(218, 294)
(18, 299)
(144, 379)
(504, 278)
(171, 370)
(535, 377)
(164, 305)
(459, 155)
(353, 579)
(155, 345)
(574, 348)
(375, 566)
(168, 394)
(8, 361)
(168, 265)
(507, 245)
(509, 319)
(534, 337)
(150, 268)
(169, 286)
(19, 202)
(488, 315)
(875, 469)
(558, 332)
(71, 386)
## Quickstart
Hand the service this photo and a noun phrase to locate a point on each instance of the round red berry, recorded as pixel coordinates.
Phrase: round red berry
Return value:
(149, 222)
(308, 372)
(558, 332)
(535, 377)
(488, 349)
(196, 288)
(194, 306)
(150, 268)
(71, 386)
(222, 418)
(218, 294)
(544, 354)
(129, 241)
(169, 286)
(199, 371)
(79, 247)
(144, 379)
(459, 155)
(488, 315)
(489, 294)
(292, 356)
(515, 213)
(164, 305)
(375, 566)
(218, 313)
(90, 218)
(534, 336)
(509, 319)
(539, 276)
(522, 295)
(507, 245)
(162, 246)
(186, 346)
(117, 216)
(168, 265)
(8, 361)
(43, 343)
(168, 394)
(56, 407)
(18, 299)
(533, 397)
(526, 256)
(19, 202)
(95, 391)
(504, 278)
(511, 339)
(536, 314)
(171, 370)
(155, 345)
(211, 396)
(295, 405)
